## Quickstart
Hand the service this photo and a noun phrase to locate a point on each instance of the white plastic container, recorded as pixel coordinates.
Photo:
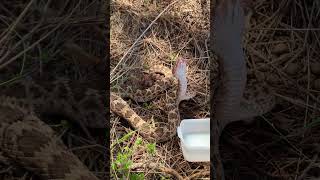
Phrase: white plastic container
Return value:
(194, 137)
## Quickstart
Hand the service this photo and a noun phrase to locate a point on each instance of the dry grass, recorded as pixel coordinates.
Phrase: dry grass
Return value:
(179, 28)
(282, 48)
(282, 53)
(50, 39)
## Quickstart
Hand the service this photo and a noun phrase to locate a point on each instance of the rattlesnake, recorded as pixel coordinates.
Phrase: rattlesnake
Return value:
(28, 141)
(257, 99)
(175, 93)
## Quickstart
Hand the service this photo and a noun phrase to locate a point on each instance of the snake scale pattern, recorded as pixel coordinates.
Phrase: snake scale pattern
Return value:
(257, 99)
(172, 89)
(31, 143)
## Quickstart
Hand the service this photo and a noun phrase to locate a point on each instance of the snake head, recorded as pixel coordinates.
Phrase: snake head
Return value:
(180, 69)
(180, 72)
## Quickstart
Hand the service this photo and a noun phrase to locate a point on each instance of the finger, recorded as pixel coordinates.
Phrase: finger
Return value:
(219, 18)
(238, 9)
(221, 9)
(229, 9)
(239, 15)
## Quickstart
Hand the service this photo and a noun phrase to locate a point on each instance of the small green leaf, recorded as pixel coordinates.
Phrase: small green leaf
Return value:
(151, 148)
(138, 141)
(145, 105)
(113, 166)
(137, 176)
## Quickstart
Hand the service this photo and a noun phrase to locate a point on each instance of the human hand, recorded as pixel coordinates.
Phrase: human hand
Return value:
(228, 28)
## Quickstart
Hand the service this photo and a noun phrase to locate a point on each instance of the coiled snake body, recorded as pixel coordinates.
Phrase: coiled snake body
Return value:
(26, 140)
(174, 93)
